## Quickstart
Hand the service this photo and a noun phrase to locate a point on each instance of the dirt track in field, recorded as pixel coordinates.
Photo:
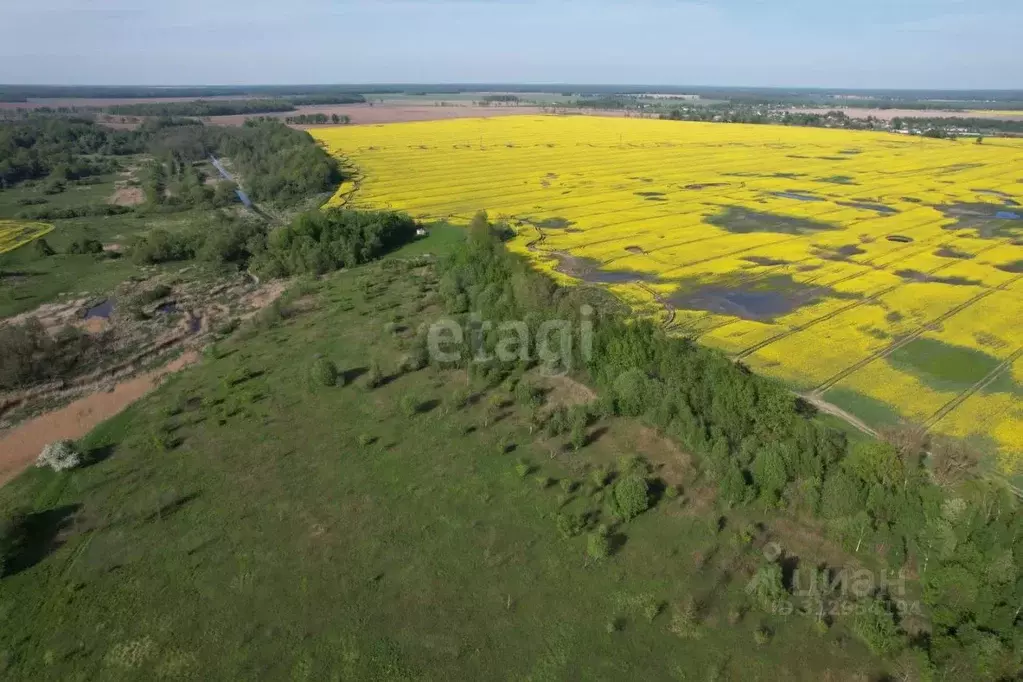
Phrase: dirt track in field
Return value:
(20, 446)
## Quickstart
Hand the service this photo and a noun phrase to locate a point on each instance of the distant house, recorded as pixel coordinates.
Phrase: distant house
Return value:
(421, 232)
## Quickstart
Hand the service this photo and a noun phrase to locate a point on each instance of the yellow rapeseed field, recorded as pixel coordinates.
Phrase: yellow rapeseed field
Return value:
(880, 272)
(14, 234)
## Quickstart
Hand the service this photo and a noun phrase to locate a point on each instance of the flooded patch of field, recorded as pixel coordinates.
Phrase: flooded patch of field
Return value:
(839, 253)
(951, 252)
(589, 270)
(1015, 267)
(744, 220)
(917, 276)
(761, 300)
(991, 221)
(869, 206)
(766, 261)
(798, 196)
(555, 223)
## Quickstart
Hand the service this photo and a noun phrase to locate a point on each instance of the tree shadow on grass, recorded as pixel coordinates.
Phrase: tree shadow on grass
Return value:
(350, 375)
(36, 536)
(98, 454)
(171, 507)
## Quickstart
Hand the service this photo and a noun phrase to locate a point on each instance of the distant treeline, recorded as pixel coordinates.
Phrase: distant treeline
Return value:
(278, 164)
(21, 93)
(490, 99)
(317, 119)
(980, 126)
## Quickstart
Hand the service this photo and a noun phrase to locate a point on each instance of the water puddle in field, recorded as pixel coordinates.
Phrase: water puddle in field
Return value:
(102, 310)
(869, 206)
(741, 220)
(838, 253)
(991, 221)
(1016, 267)
(766, 261)
(762, 300)
(917, 276)
(635, 249)
(838, 180)
(798, 196)
(555, 223)
(705, 185)
(589, 270)
(950, 252)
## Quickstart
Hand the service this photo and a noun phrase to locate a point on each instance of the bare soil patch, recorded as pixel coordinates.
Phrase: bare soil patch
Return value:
(20, 447)
(127, 196)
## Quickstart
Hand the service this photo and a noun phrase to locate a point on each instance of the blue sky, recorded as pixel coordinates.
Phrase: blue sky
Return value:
(818, 43)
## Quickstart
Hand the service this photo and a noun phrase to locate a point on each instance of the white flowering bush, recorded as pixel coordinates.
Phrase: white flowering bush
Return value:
(59, 456)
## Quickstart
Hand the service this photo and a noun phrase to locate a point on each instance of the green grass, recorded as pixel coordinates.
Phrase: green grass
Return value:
(441, 238)
(875, 413)
(943, 366)
(27, 281)
(241, 523)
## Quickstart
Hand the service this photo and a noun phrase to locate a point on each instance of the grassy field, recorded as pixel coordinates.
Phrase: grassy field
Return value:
(28, 280)
(245, 522)
(847, 264)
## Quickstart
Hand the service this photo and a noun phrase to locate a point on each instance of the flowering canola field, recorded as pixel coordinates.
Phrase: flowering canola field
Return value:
(880, 273)
(14, 234)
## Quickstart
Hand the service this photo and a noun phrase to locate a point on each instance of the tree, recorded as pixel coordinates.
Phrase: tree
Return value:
(630, 497)
(769, 473)
(875, 462)
(875, 625)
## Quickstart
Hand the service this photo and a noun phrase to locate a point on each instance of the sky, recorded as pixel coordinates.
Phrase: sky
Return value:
(953, 44)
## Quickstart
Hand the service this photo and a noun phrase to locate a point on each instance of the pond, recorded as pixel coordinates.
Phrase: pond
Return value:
(103, 309)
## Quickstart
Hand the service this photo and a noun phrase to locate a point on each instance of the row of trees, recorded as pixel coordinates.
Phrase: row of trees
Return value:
(962, 536)
(318, 119)
(232, 107)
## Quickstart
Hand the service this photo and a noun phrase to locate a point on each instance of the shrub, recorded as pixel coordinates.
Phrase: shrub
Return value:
(598, 543)
(875, 626)
(599, 476)
(522, 468)
(410, 405)
(324, 372)
(630, 497)
(374, 376)
(365, 439)
(42, 248)
(570, 525)
(544, 482)
(685, 622)
(762, 636)
(59, 456)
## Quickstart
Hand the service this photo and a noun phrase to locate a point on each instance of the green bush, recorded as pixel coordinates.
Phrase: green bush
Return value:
(598, 543)
(374, 376)
(875, 625)
(570, 525)
(324, 372)
(630, 497)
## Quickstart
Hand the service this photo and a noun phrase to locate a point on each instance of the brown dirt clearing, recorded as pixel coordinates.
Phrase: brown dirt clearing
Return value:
(20, 446)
